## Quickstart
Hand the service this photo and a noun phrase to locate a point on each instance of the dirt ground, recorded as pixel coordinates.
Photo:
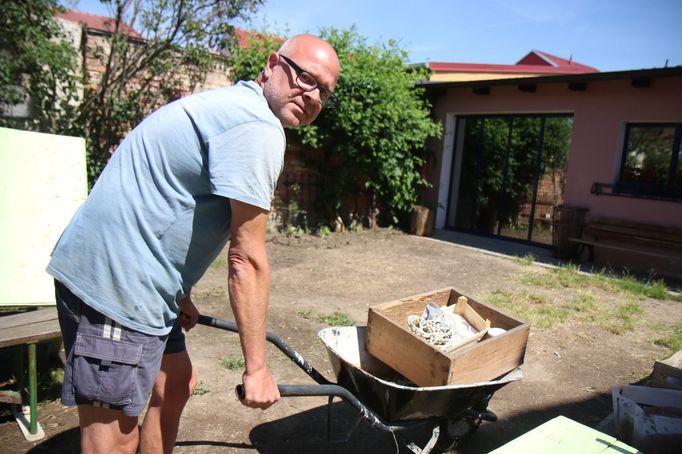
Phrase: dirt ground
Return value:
(569, 370)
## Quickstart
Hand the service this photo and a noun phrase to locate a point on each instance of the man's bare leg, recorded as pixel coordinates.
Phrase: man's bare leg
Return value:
(173, 387)
(107, 431)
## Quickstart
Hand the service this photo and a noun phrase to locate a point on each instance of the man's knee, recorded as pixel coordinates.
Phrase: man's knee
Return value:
(107, 430)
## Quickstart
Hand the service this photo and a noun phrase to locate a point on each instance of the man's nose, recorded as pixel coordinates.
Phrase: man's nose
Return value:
(313, 95)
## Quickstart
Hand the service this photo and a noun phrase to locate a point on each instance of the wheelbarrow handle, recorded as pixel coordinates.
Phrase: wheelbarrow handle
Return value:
(279, 343)
(325, 387)
(302, 390)
(329, 390)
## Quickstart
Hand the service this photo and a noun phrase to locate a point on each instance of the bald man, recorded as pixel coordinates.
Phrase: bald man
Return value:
(192, 175)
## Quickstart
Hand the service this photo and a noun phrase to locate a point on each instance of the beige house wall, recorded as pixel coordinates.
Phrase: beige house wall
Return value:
(465, 77)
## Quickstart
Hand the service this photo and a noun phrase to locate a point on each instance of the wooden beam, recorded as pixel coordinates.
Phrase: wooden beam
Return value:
(577, 86)
(641, 82)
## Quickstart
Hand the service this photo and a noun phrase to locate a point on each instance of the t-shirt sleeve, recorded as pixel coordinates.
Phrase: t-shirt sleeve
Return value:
(245, 162)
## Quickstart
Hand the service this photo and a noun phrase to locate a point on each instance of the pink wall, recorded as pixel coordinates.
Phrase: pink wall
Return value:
(599, 117)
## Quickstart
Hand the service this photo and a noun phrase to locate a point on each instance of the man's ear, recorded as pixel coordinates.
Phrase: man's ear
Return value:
(273, 59)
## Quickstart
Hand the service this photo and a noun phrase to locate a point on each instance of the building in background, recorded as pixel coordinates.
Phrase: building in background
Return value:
(535, 63)
(605, 145)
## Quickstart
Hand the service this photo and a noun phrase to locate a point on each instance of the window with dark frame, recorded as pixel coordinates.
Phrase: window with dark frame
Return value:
(651, 164)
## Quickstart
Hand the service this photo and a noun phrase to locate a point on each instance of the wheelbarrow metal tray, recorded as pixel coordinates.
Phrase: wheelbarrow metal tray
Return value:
(389, 395)
(390, 340)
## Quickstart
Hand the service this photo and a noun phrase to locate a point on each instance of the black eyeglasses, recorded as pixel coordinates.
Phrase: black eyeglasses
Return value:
(307, 82)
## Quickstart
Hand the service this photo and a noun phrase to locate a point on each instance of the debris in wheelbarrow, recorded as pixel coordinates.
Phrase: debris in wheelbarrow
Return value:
(478, 359)
(449, 327)
(383, 398)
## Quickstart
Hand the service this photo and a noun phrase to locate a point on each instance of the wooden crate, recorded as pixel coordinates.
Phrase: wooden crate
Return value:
(390, 340)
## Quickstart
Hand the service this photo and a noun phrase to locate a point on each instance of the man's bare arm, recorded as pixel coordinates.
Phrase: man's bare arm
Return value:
(249, 288)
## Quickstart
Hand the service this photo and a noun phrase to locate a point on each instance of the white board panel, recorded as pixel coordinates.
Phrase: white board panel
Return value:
(42, 183)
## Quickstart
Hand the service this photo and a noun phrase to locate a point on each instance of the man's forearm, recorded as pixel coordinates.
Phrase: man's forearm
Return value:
(248, 286)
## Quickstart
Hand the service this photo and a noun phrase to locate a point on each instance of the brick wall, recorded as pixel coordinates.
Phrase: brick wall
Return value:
(96, 51)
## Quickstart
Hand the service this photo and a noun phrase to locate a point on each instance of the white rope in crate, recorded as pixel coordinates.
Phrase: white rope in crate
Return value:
(441, 328)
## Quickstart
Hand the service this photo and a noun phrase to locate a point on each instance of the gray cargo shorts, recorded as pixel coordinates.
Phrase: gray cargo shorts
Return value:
(108, 365)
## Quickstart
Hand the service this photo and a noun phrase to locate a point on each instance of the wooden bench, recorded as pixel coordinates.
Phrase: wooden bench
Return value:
(631, 237)
(28, 328)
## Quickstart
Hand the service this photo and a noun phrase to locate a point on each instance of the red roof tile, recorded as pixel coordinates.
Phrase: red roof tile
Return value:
(537, 57)
(535, 62)
(107, 24)
(95, 22)
(243, 35)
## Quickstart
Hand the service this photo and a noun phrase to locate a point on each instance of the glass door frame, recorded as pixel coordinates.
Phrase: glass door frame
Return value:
(458, 148)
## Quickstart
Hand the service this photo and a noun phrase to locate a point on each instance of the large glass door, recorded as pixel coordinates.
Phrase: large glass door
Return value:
(508, 174)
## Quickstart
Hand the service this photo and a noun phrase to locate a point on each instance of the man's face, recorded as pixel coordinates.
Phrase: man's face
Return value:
(290, 103)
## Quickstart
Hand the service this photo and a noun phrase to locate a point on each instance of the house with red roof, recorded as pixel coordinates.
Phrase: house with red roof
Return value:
(535, 63)
(93, 32)
(95, 23)
(554, 153)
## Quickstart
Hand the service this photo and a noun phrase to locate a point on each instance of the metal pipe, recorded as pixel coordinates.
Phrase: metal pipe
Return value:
(33, 388)
(331, 391)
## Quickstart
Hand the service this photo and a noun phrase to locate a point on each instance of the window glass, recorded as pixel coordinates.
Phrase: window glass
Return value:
(648, 153)
(508, 174)
(651, 164)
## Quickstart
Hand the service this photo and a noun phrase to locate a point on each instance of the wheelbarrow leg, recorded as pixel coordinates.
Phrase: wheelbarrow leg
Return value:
(330, 424)
(329, 419)
(435, 434)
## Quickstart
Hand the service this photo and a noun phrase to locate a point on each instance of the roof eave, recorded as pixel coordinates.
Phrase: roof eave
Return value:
(559, 78)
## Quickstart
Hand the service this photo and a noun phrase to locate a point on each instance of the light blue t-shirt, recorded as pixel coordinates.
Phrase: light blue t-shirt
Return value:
(159, 213)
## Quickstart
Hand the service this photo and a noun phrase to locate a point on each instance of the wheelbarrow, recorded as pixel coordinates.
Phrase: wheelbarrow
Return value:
(382, 397)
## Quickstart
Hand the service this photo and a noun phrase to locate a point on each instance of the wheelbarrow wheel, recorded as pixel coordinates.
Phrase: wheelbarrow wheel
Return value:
(454, 433)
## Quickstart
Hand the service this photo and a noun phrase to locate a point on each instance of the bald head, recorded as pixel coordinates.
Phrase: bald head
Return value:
(293, 105)
(306, 43)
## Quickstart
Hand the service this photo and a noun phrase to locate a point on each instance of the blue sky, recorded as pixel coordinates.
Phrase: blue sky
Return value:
(610, 35)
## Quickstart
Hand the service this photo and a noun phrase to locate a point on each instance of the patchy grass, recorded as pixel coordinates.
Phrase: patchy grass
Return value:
(306, 314)
(234, 362)
(323, 230)
(543, 313)
(584, 303)
(525, 260)
(652, 289)
(336, 319)
(569, 277)
(673, 341)
(626, 318)
(530, 307)
(200, 389)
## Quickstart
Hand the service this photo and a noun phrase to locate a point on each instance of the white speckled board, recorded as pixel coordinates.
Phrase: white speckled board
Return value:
(42, 183)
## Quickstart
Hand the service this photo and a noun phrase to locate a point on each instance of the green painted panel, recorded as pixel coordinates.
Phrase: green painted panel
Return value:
(42, 183)
(565, 436)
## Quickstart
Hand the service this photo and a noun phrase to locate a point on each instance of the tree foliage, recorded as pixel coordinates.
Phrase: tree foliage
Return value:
(247, 59)
(373, 140)
(37, 66)
(375, 137)
(178, 42)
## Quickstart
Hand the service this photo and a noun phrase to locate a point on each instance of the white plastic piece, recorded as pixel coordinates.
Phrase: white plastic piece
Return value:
(22, 419)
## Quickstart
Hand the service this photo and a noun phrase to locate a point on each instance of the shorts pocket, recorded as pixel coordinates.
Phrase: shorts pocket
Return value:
(105, 370)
